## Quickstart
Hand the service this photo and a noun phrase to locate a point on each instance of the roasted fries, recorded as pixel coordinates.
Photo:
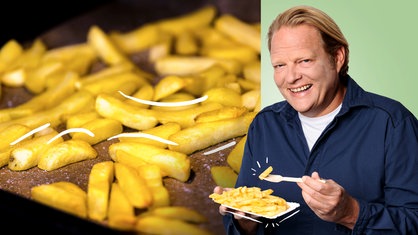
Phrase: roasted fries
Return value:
(193, 56)
(253, 200)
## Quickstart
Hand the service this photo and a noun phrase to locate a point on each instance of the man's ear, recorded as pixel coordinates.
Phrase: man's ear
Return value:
(339, 58)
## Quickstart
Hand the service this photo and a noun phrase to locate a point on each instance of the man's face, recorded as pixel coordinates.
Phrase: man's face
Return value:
(304, 72)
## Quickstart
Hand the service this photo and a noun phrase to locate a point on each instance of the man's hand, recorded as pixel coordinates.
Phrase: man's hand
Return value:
(329, 201)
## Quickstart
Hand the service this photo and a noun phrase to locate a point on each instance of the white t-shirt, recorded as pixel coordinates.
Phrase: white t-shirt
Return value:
(313, 127)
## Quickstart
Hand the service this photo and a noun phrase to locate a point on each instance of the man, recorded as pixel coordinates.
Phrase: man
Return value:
(364, 145)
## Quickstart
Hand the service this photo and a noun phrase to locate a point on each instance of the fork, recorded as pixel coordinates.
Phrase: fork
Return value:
(279, 178)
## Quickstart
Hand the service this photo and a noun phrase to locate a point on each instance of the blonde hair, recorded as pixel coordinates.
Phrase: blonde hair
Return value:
(331, 34)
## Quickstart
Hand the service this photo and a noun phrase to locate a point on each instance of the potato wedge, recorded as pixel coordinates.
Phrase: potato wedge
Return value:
(173, 164)
(121, 214)
(98, 190)
(160, 196)
(129, 115)
(163, 131)
(27, 154)
(234, 157)
(205, 134)
(179, 212)
(79, 119)
(224, 176)
(153, 224)
(221, 114)
(127, 158)
(224, 96)
(239, 30)
(133, 185)
(137, 39)
(64, 196)
(102, 128)
(65, 153)
(194, 20)
(12, 133)
(186, 117)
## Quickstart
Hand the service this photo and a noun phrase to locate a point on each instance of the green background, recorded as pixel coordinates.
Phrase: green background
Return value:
(383, 43)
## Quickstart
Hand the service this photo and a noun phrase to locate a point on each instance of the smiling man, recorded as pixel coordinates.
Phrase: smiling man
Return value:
(364, 145)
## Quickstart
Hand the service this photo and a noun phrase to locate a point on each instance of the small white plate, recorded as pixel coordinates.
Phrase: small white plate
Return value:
(292, 206)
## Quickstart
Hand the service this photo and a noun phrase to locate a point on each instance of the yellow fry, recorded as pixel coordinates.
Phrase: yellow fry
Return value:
(172, 163)
(206, 134)
(133, 185)
(121, 213)
(65, 153)
(98, 190)
(64, 196)
(179, 212)
(239, 30)
(129, 115)
(27, 154)
(160, 225)
(102, 128)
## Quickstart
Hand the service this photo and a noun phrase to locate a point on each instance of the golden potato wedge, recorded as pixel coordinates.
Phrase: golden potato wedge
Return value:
(133, 185)
(176, 97)
(145, 92)
(121, 215)
(160, 196)
(172, 163)
(76, 102)
(189, 65)
(65, 153)
(190, 21)
(151, 174)
(127, 158)
(250, 99)
(27, 154)
(79, 119)
(221, 114)
(186, 117)
(239, 30)
(107, 51)
(234, 157)
(242, 53)
(137, 39)
(205, 134)
(128, 82)
(224, 96)
(129, 115)
(12, 133)
(162, 131)
(186, 44)
(224, 176)
(10, 51)
(153, 224)
(169, 85)
(98, 190)
(64, 196)
(102, 128)
(179, 212)
(252, 71)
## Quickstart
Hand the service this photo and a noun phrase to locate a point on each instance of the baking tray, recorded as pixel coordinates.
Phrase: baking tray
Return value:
(26, 215)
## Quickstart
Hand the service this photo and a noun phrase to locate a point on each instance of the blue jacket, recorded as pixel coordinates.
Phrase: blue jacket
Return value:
(370, 149)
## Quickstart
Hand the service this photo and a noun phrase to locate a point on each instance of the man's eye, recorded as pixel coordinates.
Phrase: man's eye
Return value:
(306, 61)
(278, 65)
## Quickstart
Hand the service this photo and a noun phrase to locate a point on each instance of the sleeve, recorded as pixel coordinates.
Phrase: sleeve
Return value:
(398, 213)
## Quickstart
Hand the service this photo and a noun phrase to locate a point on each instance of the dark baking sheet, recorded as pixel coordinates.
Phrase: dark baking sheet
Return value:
(121, 16)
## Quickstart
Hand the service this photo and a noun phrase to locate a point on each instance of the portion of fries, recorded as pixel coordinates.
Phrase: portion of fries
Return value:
(252, 200)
